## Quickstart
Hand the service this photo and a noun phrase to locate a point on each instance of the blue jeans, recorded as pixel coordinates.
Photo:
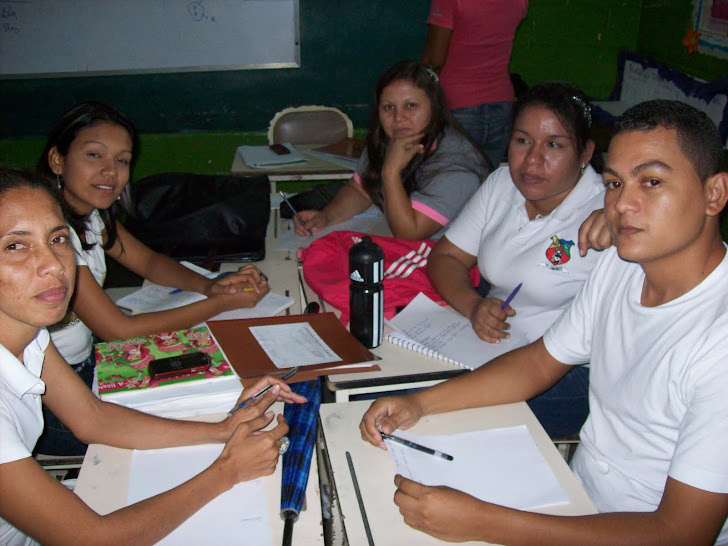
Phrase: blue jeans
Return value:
(489, 125)
(563, 408)
(57, 439)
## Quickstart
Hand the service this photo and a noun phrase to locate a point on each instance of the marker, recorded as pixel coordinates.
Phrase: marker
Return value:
(295, 212)
(509, 299)
(418, 447)
(245, 403)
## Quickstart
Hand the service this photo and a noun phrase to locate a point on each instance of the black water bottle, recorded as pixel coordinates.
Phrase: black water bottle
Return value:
(366, 292)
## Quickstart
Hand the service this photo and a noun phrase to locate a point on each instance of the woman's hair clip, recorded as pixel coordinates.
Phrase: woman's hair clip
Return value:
(432, 74)
(585, 108)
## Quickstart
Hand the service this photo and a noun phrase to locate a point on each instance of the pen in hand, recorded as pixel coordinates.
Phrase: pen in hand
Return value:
(245, 403)
(509, 299)
(295, 212)
(418, 447)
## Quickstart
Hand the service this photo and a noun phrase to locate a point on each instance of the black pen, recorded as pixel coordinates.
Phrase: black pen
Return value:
(295, 212)
(245, 403)
(418, 447)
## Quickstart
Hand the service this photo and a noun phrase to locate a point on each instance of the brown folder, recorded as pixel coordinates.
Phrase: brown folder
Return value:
(249, 359)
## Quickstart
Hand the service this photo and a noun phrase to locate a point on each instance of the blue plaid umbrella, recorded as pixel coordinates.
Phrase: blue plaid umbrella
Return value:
(302, 423)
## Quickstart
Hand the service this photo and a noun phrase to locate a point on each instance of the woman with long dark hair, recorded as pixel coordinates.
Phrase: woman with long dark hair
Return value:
(419, 167)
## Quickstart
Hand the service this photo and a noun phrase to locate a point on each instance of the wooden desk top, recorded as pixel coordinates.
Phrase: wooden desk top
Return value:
(375, 471)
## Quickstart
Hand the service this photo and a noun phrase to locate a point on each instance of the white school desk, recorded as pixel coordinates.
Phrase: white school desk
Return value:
(375, 471)
(316, 168)
(103, 484)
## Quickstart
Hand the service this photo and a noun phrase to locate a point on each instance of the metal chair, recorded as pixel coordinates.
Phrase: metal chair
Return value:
(309, 125)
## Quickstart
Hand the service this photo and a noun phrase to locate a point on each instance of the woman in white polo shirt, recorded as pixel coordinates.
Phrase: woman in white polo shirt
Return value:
(522, 226)
(37, 272)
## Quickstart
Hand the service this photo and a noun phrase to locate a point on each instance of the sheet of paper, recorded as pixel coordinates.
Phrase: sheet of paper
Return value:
(449, 333)
(154, 297)
(503, 466)
(363, 222)
(234, 514)
(297, 344)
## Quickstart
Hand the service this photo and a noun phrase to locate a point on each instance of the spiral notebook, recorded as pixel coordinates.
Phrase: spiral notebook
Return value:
(439, 332)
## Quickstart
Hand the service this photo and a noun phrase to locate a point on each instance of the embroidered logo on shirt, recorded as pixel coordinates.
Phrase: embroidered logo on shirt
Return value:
(559, 252)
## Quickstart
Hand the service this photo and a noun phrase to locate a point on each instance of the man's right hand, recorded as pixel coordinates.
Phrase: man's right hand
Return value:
(388, 414)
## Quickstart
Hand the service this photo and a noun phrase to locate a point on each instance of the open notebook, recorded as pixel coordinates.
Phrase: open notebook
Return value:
(439, 332)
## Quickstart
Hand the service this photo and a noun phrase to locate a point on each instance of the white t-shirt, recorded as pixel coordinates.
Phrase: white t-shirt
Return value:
(21, 418)
(658, 386)
(541, 253)
(74, 339)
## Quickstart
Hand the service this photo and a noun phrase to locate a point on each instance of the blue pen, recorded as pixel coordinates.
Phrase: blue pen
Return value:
(509, 299)
(220, 276)
(245, 403)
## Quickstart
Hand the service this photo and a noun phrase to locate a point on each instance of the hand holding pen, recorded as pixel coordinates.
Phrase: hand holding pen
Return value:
(260, 391)
(489, 317)
(301, 221)
(246, 279)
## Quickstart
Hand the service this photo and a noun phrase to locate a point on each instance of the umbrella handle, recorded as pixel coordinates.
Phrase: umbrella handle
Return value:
(288, 528)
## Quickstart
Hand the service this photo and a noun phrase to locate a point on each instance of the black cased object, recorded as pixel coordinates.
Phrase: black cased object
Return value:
(366, 292)
(199, 217)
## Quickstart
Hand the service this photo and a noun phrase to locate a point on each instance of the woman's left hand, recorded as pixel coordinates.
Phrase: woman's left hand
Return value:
(400, 152)
(246, 276)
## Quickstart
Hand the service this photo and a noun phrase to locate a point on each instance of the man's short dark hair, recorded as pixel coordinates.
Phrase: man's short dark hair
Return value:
(697, 135)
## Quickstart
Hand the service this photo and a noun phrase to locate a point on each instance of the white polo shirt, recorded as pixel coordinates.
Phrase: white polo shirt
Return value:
(541, 253)
(21, 418)
(658, 386)
(74, 340)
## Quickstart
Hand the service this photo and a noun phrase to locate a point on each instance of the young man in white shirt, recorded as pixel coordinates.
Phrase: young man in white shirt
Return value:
(653, 320)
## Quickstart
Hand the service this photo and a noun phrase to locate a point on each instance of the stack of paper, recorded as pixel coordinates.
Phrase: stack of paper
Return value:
(122, 374)
(262, 157)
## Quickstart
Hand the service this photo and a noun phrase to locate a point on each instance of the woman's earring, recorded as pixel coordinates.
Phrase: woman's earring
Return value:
(59, 184)
(582, 169)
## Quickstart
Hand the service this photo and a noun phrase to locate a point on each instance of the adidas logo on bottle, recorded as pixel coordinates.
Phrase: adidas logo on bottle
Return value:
(355, 276)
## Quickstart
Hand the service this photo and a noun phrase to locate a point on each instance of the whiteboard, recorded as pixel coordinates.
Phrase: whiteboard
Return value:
(43, 38)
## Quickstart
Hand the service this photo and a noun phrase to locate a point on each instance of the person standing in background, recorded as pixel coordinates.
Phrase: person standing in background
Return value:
(469, 45)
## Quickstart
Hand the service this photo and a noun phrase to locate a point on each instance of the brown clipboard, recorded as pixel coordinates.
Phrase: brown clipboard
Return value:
(248, 358)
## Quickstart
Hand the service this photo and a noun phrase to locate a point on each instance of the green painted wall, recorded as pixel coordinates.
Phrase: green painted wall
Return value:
(662, 28)
(576, 40)
(193, 122)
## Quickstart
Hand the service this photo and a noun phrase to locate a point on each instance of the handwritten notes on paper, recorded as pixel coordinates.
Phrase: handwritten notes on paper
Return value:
(428, 328)
(295, 344)
(503, 466)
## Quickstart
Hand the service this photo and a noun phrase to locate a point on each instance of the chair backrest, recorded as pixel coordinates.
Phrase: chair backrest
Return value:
(309, 125)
